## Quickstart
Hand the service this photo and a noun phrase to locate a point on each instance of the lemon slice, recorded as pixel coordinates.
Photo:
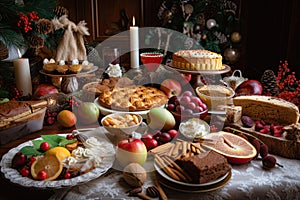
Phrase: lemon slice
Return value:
(59, 152)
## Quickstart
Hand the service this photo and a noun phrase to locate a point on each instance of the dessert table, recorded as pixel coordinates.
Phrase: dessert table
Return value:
(248, 181)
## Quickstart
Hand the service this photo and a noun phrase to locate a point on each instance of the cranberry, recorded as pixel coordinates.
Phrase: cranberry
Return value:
(45, 146)
(67, 175)
(24, 171)
(42, 175)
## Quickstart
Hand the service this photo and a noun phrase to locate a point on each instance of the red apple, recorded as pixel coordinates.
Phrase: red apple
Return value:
(131, 150)
(171, 87)
(187, 78)
(249, 87)
(44, 89)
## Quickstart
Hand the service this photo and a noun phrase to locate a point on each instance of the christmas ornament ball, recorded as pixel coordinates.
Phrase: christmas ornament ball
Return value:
(211, 23)
(236, 37)
(231, 55)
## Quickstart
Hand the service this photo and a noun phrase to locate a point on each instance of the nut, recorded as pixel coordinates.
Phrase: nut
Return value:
(152, 191)
(134, 174)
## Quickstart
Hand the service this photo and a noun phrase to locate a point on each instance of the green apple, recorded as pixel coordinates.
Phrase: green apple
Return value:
(131, 150)
(88, 113)
(159, 118)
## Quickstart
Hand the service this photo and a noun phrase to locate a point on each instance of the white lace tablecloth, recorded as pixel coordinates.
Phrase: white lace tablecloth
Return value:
(248, 181)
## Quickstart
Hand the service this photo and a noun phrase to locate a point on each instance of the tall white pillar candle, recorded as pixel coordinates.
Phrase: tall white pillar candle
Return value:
(134, 45)
(22, 75)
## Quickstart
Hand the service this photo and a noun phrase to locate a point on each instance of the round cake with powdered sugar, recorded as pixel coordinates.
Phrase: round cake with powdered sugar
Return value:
(197, 60)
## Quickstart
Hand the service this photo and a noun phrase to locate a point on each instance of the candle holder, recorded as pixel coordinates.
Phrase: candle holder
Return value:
(151, 60)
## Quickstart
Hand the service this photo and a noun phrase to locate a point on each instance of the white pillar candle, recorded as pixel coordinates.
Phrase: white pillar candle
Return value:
(22, 75)
(134, 45)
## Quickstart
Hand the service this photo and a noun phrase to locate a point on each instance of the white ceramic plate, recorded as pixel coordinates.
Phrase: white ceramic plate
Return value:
(106, 111)
(163, 174)
(14, 176)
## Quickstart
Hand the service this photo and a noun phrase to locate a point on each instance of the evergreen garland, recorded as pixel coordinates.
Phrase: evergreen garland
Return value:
(13, 35)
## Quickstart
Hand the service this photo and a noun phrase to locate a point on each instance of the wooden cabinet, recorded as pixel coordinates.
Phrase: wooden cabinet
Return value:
(106, 17)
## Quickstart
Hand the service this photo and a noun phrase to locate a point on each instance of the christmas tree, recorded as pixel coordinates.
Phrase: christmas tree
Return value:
(212, 24)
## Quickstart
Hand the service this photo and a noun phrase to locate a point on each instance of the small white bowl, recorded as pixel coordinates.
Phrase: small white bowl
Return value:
(194, 128)
(121, 132)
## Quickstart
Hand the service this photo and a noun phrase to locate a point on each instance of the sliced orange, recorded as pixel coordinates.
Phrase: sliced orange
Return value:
(235, 148)
(51, 164)
(60, 152)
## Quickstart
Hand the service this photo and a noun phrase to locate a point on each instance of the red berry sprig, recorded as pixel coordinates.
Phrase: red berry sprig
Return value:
(289, 86)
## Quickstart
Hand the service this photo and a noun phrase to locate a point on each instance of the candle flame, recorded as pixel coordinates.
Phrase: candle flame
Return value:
(133, 21)
(19, 53)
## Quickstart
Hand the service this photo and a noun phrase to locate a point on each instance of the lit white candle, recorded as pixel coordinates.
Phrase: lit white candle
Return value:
(134, 45)
(22, 75)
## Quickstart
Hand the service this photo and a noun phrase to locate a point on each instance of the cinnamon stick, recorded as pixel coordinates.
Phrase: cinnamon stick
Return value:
(162, 194)
(166, 168)
(177, 167)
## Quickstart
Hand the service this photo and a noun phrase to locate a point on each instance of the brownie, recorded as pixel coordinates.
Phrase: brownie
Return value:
(205, 167)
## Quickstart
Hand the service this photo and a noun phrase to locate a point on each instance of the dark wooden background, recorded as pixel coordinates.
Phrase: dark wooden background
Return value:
(270, 30)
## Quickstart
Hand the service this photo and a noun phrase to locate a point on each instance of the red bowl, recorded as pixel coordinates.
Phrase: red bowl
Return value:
(151, 60)
(182, 117)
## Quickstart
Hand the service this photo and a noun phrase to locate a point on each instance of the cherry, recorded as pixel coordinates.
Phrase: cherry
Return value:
(173, 133)
(42, 175)
(70, 137)
(264, 150)
(24, 172)
(269, 162)
(19, 160)
(67, 175)
(45, 146)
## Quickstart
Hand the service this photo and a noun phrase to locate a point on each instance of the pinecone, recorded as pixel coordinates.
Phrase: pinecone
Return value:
(60, 11)
(3, 51)
(44, 26)
(269, 83)
(36, 41)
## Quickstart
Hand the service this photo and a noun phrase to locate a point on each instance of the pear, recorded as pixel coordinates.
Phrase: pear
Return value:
(159, 118)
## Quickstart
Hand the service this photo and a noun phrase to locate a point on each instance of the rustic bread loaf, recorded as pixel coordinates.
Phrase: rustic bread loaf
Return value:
(269, 109)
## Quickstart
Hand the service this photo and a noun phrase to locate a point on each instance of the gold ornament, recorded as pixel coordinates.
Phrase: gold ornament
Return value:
(236, 37)
(231, 55)
(204, 36)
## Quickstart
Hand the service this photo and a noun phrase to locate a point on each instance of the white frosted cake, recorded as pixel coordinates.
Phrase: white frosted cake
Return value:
(197, 60)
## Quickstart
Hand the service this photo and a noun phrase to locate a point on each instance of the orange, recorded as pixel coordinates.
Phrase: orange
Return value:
(66, 118)
(50, 164)
(235, 148)
(60, 152)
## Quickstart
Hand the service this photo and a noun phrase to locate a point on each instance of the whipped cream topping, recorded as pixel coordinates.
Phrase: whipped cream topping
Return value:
(114, 70)
(46, 61)
(85, 62)
(93, 150)
(75, 62)
(62, 62)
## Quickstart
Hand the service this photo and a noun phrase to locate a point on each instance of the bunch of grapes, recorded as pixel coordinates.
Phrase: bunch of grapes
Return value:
(15, 93)
(50, 117)
(74, 102)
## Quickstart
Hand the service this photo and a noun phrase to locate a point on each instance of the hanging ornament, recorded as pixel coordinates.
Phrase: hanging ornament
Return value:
(203, 37)
(231, 55)
(211, 23)
(200, 19)
(188, 9)
(236, 37)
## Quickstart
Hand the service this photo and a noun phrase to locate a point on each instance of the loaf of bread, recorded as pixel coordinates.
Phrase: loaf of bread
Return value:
(13, 112)
(269, 109)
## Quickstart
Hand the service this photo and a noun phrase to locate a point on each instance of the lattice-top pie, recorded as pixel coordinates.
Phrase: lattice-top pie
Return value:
(132, 98)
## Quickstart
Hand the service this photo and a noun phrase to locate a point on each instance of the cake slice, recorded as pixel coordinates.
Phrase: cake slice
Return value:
(205, 167)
